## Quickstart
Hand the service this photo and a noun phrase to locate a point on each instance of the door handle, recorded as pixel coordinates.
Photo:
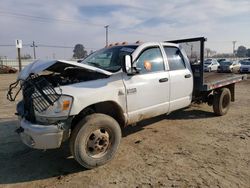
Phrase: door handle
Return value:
(163, 80)
(188, 76)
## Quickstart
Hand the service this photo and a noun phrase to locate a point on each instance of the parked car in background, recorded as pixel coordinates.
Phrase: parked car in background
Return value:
(229, 66)
(211, 65)
(7, 69)
(245, 66)
(222, 59)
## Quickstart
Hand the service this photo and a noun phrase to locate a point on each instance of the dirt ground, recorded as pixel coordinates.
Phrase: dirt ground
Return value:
(188, 148)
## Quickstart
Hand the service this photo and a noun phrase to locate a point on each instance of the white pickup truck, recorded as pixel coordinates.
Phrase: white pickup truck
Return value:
(89, 102)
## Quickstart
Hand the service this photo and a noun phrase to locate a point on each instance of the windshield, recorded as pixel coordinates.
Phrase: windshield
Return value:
(208, 62)
(109, 59)
(245, 62)
(226, 63)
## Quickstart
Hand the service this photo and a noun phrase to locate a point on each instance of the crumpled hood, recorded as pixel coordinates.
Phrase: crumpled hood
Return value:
(54, 65)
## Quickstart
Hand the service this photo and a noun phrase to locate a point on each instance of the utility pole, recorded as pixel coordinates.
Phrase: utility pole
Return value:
(19, 59)
(107, 30)
(234, 42)
(34, 49)
(191, 50)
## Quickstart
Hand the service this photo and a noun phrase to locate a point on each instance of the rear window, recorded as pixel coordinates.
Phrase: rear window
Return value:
(245, 62)
(207, 62)
(175, 58)
(226, 63)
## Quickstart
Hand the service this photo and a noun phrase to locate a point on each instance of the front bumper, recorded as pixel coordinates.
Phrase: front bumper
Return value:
(206, 69)
(224, 70)
(40, 136)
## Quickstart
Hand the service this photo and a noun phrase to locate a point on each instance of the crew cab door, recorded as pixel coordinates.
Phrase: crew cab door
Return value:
(147, 92)
(181, 78)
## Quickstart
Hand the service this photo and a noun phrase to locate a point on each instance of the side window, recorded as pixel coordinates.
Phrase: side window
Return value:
(150, 60)
(175, 58)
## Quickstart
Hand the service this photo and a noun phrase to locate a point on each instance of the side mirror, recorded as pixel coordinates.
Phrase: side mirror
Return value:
(127, 65)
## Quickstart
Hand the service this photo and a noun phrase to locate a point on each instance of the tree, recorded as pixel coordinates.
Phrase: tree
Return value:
(248, 52)
(79, 51)
(241, 51)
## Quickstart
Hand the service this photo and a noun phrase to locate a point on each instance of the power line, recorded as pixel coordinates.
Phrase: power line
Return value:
(48, 19)
(83, 21)
(11, 45)
(44, 45)
(6, 45)
(54, 46)
(58, 46)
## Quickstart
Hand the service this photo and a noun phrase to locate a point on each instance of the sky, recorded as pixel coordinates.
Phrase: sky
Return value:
(66, 23)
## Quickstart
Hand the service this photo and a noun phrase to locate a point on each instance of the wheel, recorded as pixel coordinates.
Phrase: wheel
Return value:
(95, 140)
(222, 102)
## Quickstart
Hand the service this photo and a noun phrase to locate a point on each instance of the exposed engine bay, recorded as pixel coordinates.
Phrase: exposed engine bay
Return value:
(56, 73)
(71, 75)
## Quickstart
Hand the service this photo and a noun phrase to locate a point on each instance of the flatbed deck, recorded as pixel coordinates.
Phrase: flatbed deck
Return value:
(213, 80)
(205, 81)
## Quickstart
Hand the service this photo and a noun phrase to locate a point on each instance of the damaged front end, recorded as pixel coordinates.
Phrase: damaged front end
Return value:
(38, 96)
(44, 112)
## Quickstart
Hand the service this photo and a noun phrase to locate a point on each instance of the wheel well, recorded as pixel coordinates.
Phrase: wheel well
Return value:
(108, 107)
(231, 88)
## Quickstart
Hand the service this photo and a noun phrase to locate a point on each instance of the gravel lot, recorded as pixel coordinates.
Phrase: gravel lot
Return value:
(188, 148)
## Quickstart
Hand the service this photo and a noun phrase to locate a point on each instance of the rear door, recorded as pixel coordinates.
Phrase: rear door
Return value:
(181, 78)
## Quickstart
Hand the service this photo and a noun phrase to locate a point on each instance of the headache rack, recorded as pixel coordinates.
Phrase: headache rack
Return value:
(38, 91)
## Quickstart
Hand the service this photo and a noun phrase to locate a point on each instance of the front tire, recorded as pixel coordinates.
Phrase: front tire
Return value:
(222, 100)
(95, 140)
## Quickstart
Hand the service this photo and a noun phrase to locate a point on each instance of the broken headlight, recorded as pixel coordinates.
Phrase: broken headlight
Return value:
(60, 108)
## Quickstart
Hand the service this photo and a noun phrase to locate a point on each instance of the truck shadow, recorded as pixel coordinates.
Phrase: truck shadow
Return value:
(22, 164)
(188, 113)
(183, 114)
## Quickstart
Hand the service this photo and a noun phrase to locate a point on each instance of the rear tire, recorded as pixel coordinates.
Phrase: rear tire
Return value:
(222, 100)
(95, 140)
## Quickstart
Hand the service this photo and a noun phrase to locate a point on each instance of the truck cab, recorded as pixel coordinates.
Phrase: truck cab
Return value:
(162, 81)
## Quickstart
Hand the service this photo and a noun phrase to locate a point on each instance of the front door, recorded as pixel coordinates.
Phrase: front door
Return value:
(148, 91)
